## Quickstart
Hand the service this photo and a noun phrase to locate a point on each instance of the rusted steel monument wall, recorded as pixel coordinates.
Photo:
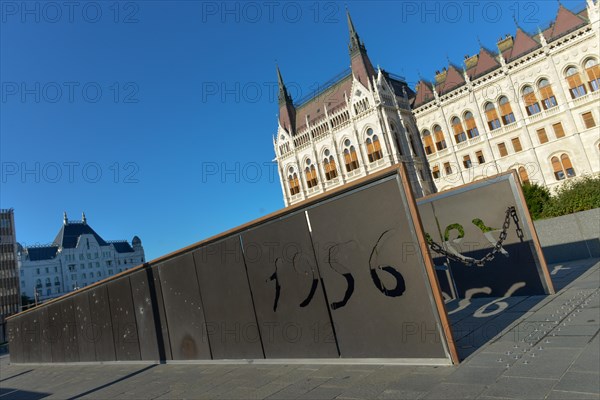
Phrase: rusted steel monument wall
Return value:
(472, 220)
(346, 275)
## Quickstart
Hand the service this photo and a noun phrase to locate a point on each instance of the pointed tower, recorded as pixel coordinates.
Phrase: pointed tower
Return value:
(360, 62)
(287, 111)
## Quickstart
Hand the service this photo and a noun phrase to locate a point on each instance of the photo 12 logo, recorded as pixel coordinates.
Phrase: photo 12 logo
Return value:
(69, 92)
(54, 12)
(68, 172)
(253, 12)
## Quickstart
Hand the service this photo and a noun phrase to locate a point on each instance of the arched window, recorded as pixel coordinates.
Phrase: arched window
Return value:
(56, 281)
(492, 116)
(531, 103)
(329, 164)
(562, 167)
(548, 99)
(350, 156)
(428, 142)
(459, 132)
(506, 112)
(373, 147)
(38, 283)
(472, 130)
(576, 86)
(293, 182)
(310, 173)
(592, 70)
(523, 176)
(48, 282)
(438, 136)
(411, 142)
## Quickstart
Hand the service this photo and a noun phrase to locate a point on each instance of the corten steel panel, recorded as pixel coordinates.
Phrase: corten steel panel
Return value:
(150, 315)
(124, 325)
(230, 319)
(102, 324)
(375, 275)
(15, 344)
(183, 308)
(288, 297)
(31, 336)
(46, 336)
(86, 332)
(468, 220)
(55, 333)
(69, 330)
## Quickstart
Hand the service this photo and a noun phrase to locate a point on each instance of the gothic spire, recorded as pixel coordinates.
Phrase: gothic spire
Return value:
(360, 63)
(355, 43)
(283, 95)
(287, 111)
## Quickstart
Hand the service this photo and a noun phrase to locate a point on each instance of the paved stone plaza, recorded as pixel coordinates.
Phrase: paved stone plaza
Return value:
(538, 347)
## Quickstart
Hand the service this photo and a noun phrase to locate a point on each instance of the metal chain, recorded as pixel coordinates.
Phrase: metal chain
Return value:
(511, 212)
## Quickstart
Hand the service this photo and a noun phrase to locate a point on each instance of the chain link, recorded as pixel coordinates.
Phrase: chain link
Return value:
(511, 212)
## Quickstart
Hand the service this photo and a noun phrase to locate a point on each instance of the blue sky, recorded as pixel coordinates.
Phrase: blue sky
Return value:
(156, 118)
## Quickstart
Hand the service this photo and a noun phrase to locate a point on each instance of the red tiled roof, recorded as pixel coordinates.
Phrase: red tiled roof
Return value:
(454, 79)
(565, 22)
(486, 62)
(332, 98)
(523, 44)
(424, 93)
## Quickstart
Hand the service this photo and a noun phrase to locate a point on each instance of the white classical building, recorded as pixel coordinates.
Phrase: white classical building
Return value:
(531, 105)
(77, 257)
(358, 123)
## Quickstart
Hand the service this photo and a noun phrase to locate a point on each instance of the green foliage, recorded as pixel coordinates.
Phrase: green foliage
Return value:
(572, 196)
(536, 197)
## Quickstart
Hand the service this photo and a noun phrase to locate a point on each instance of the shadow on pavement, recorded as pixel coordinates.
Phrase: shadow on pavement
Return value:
(123, 378)
(478, 320)
(17, 394)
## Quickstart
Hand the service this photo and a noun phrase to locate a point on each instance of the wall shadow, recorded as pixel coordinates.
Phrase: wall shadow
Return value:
(477, 320)
(17, 394)
(566, 252)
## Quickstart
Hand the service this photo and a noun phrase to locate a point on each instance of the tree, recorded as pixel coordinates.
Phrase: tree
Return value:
(536, 197)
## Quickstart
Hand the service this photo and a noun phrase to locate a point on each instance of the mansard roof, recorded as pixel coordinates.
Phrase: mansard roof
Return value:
(331, 96)
(121, 246)
(398, 84)
(39, 253)
(424, 93)
(68, 237)
(69, 234)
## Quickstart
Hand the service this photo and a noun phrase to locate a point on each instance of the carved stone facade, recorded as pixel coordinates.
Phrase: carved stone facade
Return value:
(359, 123)
(530, 105)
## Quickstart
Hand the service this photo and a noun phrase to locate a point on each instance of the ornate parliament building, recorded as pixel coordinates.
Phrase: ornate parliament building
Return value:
(531, 105)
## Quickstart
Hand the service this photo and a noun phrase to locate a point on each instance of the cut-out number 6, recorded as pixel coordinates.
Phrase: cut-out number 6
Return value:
(499, 303)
